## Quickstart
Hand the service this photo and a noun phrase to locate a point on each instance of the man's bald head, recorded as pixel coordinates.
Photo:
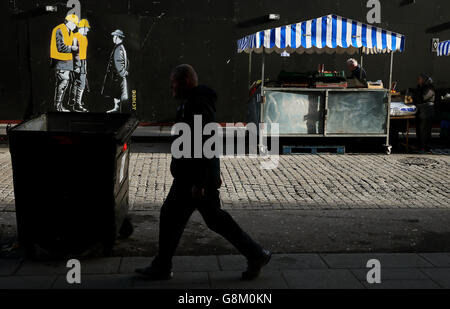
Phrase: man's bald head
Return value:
(182, 79)
(185, 72)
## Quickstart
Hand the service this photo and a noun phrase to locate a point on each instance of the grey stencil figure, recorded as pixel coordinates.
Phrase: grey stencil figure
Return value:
(116, 79)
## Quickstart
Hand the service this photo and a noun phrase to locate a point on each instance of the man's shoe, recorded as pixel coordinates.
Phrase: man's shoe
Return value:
(152, 273)
(60, 108)
(255, 267)
(116, 108)
(80, 109)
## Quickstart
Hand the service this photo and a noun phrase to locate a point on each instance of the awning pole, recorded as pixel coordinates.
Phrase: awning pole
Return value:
(390, 70)
(389, 102)
(263, 73)
(362, 58)
(250, 70)
(261, 126)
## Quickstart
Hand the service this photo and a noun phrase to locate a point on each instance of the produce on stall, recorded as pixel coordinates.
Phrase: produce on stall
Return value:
(402, 109)
(324, 103)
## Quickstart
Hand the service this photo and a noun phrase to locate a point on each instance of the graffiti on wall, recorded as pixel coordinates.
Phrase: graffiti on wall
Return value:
(69, 62)
(115, 84)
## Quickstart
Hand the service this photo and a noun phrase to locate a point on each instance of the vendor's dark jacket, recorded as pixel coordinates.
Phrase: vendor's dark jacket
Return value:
(201, 172)
(425, 94)
(424, 98)
(360, 74)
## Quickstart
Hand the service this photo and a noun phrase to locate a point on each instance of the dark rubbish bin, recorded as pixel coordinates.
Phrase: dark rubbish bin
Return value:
(71, 180)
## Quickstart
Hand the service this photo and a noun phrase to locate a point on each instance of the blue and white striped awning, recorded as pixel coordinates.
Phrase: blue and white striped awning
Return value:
(328, 34)
(444, 48)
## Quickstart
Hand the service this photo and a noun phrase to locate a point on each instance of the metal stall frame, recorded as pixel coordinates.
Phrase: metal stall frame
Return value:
(331, 33)
(262, 136)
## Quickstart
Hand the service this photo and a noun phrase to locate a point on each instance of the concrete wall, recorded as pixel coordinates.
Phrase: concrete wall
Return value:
(203, 33)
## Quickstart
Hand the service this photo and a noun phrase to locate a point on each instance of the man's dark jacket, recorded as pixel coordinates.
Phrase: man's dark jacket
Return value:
(202, 173)
(360, 74)
(424, 99)
(425, 94)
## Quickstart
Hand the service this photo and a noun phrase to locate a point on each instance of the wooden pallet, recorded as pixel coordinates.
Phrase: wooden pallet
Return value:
(314, 150)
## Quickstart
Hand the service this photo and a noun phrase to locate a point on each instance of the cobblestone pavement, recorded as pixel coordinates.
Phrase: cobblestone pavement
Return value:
(6, 187)
(300, 182)
(311, 182)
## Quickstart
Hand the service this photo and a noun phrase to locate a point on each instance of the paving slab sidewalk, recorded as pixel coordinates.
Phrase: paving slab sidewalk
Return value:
(286, 271)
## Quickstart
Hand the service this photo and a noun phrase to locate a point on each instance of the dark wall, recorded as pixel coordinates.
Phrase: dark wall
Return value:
(202, 33)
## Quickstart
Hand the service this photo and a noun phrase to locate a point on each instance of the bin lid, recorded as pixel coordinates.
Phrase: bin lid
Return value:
(79, 123)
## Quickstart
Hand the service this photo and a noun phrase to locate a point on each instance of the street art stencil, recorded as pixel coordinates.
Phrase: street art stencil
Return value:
(115, 84)
(71, 69)
(61, 53)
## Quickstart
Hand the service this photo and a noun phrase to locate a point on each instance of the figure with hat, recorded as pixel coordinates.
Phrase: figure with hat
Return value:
(80, 66)
(116, 79)
(61, 54)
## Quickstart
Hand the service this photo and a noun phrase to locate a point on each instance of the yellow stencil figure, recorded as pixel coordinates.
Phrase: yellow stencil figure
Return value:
(80, 66)
(61, 50)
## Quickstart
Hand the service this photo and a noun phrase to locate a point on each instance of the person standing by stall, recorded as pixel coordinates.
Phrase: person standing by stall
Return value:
(424, 98)
(357, 72)
(196, 187)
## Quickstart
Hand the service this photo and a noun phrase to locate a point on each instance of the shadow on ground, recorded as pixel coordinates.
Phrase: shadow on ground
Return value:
(339, 231)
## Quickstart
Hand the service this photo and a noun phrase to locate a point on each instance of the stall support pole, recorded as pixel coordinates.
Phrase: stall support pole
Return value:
(390, 71)
(325, 116)
(362, 58)
(261, 121)
(388, 146)
(250, 70)
(263, 73)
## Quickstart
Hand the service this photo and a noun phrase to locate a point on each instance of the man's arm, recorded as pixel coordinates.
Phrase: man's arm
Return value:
(417, 97)
(120, 61)
(428, 95)
(61, 45)
(363, 75)
(202, 166)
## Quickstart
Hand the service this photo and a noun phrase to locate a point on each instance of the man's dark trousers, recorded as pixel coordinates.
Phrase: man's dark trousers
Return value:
(176, 212)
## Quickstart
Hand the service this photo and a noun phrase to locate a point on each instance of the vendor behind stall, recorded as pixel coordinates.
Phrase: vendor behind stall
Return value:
(357, 72)
(424, 97)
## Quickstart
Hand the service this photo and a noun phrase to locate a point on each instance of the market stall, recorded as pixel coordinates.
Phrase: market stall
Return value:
(403, 113)
(444, 48)
(322, 104)
(403, 110)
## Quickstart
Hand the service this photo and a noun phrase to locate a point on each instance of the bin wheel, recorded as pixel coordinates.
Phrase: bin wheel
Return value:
(263, 150)
(388, 150)
(127, 228)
